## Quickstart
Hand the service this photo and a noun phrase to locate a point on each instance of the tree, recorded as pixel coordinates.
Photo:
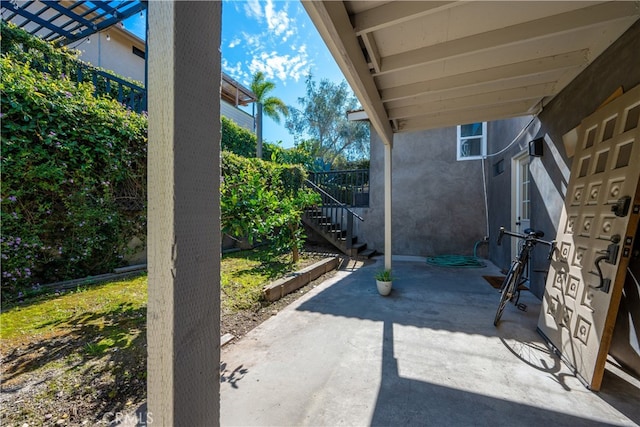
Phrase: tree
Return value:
(264, 201)
(322, 118)
(271, 106)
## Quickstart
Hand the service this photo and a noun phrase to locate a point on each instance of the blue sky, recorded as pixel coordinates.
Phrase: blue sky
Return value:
(277, 38)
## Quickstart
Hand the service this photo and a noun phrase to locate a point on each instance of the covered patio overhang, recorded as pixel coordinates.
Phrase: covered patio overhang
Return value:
(418, 65)
(235, 93)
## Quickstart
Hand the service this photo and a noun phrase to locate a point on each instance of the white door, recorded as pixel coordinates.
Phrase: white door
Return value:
(578, 314)
(521, 212)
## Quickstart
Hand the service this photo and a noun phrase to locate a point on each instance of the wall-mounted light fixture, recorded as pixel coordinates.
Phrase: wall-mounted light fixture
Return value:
(536, 147)
(108, 37)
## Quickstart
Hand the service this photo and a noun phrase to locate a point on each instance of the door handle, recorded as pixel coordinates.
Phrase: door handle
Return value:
(609, 256)
(621, 207)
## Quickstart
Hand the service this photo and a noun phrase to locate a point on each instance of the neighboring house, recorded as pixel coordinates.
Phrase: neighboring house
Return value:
(233, 95)
(122, 52)
(115, 49)
(112, 48)
(93, 30)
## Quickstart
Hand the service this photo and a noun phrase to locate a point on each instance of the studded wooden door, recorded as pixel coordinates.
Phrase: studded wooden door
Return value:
(578, 313)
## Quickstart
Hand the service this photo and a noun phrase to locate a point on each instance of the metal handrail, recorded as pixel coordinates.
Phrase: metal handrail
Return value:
(333, 199)
(348, 186)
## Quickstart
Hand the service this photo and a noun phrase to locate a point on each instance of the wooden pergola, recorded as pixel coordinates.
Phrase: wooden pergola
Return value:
(64, 22)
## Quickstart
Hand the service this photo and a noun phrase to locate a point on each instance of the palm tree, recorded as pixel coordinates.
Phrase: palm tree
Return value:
(271, 106)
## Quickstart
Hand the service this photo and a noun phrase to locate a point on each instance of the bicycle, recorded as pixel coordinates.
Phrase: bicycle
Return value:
(510, 289)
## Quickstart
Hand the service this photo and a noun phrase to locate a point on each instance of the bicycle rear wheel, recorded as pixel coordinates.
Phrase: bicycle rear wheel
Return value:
(508, 290)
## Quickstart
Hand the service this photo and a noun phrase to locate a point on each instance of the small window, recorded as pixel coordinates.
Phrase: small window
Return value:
(138, 52)
(498, 167)
(472, 141)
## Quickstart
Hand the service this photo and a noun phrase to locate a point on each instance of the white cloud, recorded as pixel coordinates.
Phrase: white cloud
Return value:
(283, 67)
(272, 44)
(277, 21)
(235, 71)
(252, 40)
(288, 34)
(253, 9)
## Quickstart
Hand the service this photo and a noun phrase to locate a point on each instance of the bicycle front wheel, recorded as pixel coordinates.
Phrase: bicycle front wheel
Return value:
(508, 290)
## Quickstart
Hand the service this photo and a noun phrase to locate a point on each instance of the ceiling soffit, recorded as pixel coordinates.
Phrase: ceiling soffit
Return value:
(425, 64)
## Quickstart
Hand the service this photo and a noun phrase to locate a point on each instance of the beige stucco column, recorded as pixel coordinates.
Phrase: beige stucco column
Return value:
(183, 315)
(387, 206)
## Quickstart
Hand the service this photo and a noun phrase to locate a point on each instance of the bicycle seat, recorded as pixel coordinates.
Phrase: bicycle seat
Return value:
(536, 233)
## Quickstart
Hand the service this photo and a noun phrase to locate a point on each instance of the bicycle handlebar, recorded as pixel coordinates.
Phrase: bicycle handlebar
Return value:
(529, 236)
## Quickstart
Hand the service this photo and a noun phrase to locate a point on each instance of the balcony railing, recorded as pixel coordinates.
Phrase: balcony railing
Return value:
(62, 64)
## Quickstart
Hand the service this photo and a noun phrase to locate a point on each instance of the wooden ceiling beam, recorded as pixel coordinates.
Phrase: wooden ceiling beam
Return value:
(539, 28)
(549, 78)
(526, 93)
(395, 13)
(372, 49)
(453, 118)
(516, 70)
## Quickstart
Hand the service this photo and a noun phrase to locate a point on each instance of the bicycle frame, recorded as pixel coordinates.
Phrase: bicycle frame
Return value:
(510, 288)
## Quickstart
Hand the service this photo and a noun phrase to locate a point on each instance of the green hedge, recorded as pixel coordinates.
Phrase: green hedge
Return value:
(236, 139)
(264, 201)
(73, 178)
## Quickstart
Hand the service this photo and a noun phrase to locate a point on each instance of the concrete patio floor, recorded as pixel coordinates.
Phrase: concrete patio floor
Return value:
(428, 354)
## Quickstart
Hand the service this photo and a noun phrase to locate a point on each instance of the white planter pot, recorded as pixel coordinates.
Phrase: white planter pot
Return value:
(384, 288)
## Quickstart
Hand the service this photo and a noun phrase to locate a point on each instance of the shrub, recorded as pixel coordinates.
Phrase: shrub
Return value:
(74, 177)
(237, 139)
(240, 141)
(264, 201)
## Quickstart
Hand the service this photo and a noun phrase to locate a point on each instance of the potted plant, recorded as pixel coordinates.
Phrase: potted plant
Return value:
(384, 282)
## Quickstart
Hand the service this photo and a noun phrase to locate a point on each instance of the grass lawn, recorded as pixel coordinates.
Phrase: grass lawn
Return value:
(115, 311)
(90, 344)
(103, 307)
(244, 274)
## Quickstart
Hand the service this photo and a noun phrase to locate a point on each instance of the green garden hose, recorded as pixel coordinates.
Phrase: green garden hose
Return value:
(455, 261)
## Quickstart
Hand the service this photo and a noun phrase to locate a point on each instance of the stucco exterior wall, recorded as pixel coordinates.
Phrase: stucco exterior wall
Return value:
(500, 134)
(115, 54)
(438, 202)
(617, 67)
(237, 115)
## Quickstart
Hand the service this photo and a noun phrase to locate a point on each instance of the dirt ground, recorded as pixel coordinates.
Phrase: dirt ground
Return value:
(75, 390)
